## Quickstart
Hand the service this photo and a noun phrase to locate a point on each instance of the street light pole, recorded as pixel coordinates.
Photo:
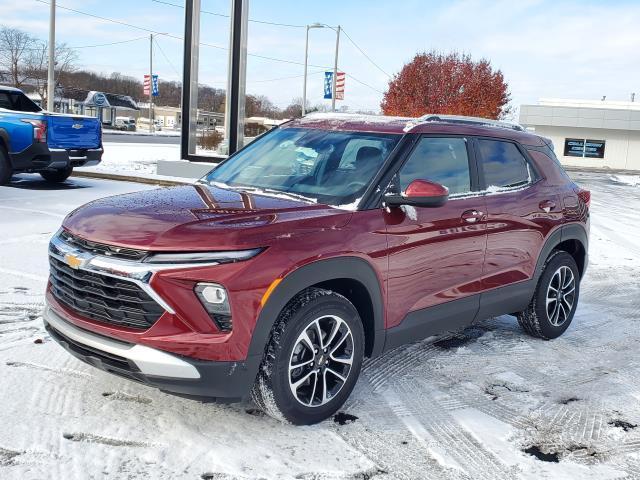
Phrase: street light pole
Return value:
(52, 50)
(304, 85)
(335, 71)
(306, 56)
(150, 83)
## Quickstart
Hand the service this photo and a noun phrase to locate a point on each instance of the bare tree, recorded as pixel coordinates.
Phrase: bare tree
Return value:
(16, 48)
(65, 61)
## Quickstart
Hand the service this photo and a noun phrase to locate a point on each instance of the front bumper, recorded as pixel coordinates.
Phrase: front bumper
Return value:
(153, 367)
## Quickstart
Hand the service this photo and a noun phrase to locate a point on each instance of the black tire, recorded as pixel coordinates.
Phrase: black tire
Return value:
(538, 318)
(5, 167)
(56, 176)
(273, 388)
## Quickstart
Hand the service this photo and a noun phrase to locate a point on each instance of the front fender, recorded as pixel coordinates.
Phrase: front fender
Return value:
(347, 267)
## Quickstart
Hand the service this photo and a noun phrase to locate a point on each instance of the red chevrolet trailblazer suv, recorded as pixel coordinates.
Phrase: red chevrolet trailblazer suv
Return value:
(327, 240)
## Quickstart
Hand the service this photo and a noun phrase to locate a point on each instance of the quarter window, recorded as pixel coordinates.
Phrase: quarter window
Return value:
(441, 160)
(503, 164)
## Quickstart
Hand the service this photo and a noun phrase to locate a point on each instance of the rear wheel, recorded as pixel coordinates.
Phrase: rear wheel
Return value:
(313, 358)
(555, 300)
(5, 167)
(56, 176)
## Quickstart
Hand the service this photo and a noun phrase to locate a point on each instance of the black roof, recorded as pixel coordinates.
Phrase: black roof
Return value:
(9, 89)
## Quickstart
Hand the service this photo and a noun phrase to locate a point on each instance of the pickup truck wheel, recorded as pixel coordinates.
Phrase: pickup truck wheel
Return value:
(313, 358)
(56, 176)
(555, 300)
(5, 167)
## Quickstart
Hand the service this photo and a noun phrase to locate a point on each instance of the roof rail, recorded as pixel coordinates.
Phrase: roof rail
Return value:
(483, 122)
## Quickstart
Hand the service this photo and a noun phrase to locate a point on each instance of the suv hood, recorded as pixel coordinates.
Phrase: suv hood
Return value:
(198, 218)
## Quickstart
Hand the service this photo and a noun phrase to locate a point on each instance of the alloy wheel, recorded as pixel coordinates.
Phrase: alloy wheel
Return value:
(561, 294)
(321, 361)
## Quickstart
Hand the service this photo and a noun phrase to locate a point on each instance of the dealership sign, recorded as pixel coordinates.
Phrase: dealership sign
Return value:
(585, 148)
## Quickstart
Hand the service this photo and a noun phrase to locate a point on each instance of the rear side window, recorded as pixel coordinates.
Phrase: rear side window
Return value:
(18, 102)
(503, 164)
(441, 160)
(5, 101)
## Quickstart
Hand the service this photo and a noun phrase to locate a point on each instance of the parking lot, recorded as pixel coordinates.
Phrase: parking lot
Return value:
(487, 403)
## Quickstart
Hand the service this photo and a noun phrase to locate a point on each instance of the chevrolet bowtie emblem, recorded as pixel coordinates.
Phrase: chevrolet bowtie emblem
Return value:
(76, 126)
(73, 261)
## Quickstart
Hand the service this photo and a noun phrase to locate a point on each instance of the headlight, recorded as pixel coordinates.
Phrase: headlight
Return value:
(215, 300)
(204, 257)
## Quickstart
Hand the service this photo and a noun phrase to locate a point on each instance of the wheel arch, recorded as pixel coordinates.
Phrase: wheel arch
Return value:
(571, 238)
(350, 276)
(4, 140)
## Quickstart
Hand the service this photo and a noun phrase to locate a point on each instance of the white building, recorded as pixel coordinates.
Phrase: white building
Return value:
(588, 133)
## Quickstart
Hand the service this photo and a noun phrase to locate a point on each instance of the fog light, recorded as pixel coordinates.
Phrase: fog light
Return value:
(214, 294)
(215, 300)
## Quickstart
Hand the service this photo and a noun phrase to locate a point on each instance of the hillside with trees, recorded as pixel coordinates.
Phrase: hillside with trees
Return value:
(23, 64)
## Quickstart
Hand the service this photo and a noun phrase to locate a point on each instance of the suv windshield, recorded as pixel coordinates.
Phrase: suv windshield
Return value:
(330, 167)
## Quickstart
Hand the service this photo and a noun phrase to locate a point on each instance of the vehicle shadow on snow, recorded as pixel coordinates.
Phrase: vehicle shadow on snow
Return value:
(36, 182)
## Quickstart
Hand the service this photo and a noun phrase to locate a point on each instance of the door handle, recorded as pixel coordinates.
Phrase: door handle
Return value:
(547, 205)
(471, 216)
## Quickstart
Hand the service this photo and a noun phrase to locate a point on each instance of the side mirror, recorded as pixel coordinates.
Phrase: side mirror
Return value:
(420, 193)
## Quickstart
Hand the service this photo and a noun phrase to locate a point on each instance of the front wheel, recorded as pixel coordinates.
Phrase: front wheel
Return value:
(555, 300)
(56, 176)
(313, 358)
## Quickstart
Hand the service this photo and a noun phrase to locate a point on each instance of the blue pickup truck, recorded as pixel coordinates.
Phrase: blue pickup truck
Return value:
(51, 144)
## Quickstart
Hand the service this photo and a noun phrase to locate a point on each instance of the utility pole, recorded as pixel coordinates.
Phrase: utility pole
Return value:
(151, 83)
(335, 71)
(51, 85)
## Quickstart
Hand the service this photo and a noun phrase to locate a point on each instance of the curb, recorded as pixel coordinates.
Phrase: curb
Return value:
(613, 171)
(128, 178)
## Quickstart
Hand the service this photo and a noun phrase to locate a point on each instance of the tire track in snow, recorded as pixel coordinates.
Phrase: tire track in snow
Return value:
(43, 368)
(386, 441)
(450, 437)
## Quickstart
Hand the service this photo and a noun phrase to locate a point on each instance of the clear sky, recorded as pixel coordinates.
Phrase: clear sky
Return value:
(555, 48)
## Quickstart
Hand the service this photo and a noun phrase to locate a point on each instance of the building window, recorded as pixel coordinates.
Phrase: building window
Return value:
(584, 148)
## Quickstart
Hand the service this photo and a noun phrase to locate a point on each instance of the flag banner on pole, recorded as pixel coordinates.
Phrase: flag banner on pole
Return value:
(340, 79)
(155, 91)
(151, 84)
(328, 85)
(146, 84)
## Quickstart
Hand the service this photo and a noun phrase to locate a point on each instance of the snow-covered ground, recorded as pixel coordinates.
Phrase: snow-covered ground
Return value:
(467, 406)
(137, 159)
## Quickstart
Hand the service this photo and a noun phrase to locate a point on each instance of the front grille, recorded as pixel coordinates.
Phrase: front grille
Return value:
(105, 299)
(102, 249)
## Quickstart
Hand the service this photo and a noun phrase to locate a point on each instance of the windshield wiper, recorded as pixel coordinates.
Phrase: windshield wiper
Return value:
(265, 191)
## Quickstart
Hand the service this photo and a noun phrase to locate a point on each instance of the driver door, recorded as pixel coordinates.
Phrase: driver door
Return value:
(436, 254)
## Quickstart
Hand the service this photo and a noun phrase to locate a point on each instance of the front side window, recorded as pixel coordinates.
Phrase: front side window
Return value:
(441, 160)
(330, 167)
(503, 164)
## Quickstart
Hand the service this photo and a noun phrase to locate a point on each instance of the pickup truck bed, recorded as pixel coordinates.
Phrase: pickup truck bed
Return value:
(32, 140)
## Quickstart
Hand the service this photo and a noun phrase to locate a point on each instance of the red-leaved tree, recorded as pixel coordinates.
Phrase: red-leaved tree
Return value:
(450, 84)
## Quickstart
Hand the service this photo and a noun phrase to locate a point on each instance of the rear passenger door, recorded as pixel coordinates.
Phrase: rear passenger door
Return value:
(520, 208)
